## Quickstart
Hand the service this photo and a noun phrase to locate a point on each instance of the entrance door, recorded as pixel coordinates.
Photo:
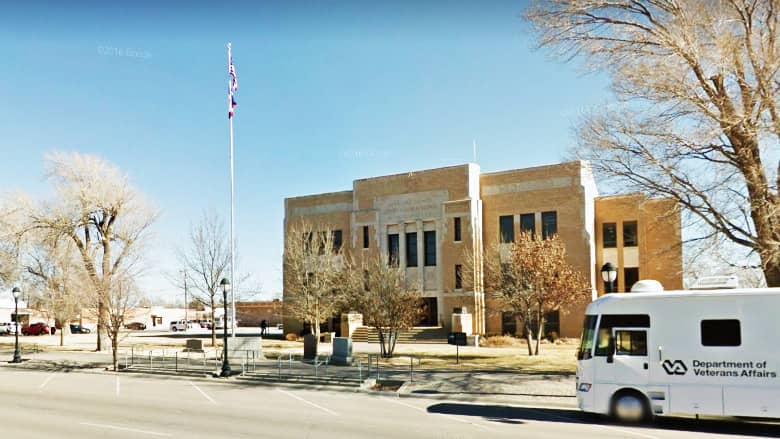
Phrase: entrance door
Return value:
(631, 363)
(508, 323)
(430, 312)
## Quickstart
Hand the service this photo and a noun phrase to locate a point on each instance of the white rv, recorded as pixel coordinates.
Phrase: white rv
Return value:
(710, 352)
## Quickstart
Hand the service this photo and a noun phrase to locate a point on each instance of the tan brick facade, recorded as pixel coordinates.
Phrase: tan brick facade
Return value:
(558, 199)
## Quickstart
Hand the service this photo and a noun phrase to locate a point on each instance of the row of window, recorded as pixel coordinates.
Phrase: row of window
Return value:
(630, 234)
(457, 236)
(336, 238)
(713, 333)
(506, 225)
(429, 248)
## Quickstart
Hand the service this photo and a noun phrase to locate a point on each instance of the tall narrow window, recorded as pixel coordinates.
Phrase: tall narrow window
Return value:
(630, 236)
(392, 249)
(528, 223)
(411, 249)
(549, 224)
(365, 236)
(506, 228)
(630, 276)
(456, 224)
(610, 235)
(337, 240)
(430, 248)
(458, 277)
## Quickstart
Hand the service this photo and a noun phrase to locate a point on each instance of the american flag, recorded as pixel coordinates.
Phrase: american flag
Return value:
(233, 85)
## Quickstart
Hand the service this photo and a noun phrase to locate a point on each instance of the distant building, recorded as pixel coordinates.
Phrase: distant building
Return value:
(429, 219)
(253, 313)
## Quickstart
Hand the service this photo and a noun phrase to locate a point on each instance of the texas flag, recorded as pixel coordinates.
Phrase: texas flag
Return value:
(232, 85)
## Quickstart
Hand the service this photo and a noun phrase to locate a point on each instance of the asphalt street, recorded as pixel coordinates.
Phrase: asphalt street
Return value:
(90, 404)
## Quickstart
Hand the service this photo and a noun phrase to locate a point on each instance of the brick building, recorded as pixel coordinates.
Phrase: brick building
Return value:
(430, 219)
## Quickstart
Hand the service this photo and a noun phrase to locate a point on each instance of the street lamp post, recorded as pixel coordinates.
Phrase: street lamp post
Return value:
(17, 354)
(225, 364)
(608, 275)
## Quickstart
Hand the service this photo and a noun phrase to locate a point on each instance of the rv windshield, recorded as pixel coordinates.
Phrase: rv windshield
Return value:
(586, 341)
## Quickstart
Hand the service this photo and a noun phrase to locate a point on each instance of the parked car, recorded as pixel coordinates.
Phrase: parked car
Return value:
(5, 328)
(136, 326)
(280, 327)
(205, 324)
(12, 327)
(78, 329)
(36, 329)
(181, 325)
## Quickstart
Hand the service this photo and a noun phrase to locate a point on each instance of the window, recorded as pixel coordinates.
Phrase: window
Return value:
(365, 236)
(587, 338)
(610, 235)
(456, 225)
(458, 277)
(609, 321)
(337, 240)
(430, 248)
(506, 228)
(549, 224)
(411, 249)
(630, 276)
(392, 249)
(630, 236)
(631, 343)
(720, 333)
(528, 223)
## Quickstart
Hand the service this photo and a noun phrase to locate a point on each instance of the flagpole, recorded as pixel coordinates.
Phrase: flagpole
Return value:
(232, 218)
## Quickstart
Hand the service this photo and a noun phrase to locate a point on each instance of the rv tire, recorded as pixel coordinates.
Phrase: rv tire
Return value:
(630, 407)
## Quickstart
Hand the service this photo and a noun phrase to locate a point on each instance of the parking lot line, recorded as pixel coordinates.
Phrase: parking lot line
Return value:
(202, 392)
(292, 395)
(46, 381)
(132, 430)
(117, 386)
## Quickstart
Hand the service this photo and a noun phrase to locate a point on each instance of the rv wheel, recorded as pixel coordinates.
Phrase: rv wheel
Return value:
(630, 407)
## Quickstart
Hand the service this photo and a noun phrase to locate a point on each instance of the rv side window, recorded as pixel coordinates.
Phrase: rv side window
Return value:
(721, 333)
(631, 343)
(586, 341)
(609, 321)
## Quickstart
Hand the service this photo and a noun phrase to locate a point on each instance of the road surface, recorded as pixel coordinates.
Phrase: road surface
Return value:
(80, 404)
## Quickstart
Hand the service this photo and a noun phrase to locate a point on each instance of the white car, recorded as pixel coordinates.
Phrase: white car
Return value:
(7, 328)
(182, 325)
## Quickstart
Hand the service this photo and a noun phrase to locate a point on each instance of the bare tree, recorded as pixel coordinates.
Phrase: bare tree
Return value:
(313, 265)
(105, 217)
(206, 261)
(530, 276)
(389, 303)
(701, 122)
(118, 303)
(58, 279)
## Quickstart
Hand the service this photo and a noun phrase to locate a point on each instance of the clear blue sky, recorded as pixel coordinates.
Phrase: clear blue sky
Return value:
(330, 92)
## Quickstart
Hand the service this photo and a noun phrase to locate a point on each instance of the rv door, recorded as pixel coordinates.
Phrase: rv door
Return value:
(630, 361)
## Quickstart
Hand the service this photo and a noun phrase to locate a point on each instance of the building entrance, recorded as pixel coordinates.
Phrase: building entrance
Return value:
(430, 312)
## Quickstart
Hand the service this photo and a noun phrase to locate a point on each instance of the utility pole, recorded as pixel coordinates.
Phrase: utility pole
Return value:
(186, 321)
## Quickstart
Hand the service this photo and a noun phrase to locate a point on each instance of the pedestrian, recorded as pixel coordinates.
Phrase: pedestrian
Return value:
(263, 326)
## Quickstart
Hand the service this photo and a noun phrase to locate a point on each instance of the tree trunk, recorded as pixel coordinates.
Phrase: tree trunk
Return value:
(213, 324)
(529, 336)
(772, 274)
(539, 333)
(115, 349)
(381, 335)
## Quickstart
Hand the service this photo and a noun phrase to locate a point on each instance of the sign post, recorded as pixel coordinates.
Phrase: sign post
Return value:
(458, 339)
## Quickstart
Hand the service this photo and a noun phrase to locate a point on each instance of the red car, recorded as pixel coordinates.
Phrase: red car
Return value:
(36, 329)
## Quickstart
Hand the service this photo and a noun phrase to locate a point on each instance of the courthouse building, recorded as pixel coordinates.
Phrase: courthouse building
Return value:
(430, 220)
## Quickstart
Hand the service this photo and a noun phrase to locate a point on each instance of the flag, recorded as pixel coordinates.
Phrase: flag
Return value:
(232, 84)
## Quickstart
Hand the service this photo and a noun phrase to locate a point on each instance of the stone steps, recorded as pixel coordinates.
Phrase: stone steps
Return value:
(433, 335)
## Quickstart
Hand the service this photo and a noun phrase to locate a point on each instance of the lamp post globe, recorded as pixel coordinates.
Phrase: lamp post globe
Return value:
(225, 364)
(17, 354)
(609, 275)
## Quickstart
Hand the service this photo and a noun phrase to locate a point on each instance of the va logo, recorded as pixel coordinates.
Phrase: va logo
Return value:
(676, 367)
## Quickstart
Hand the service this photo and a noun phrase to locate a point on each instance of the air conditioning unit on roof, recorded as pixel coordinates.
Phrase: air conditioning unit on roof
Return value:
(716, 283)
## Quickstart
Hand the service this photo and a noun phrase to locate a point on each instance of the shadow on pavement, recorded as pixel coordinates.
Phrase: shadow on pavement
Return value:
(518, 415)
